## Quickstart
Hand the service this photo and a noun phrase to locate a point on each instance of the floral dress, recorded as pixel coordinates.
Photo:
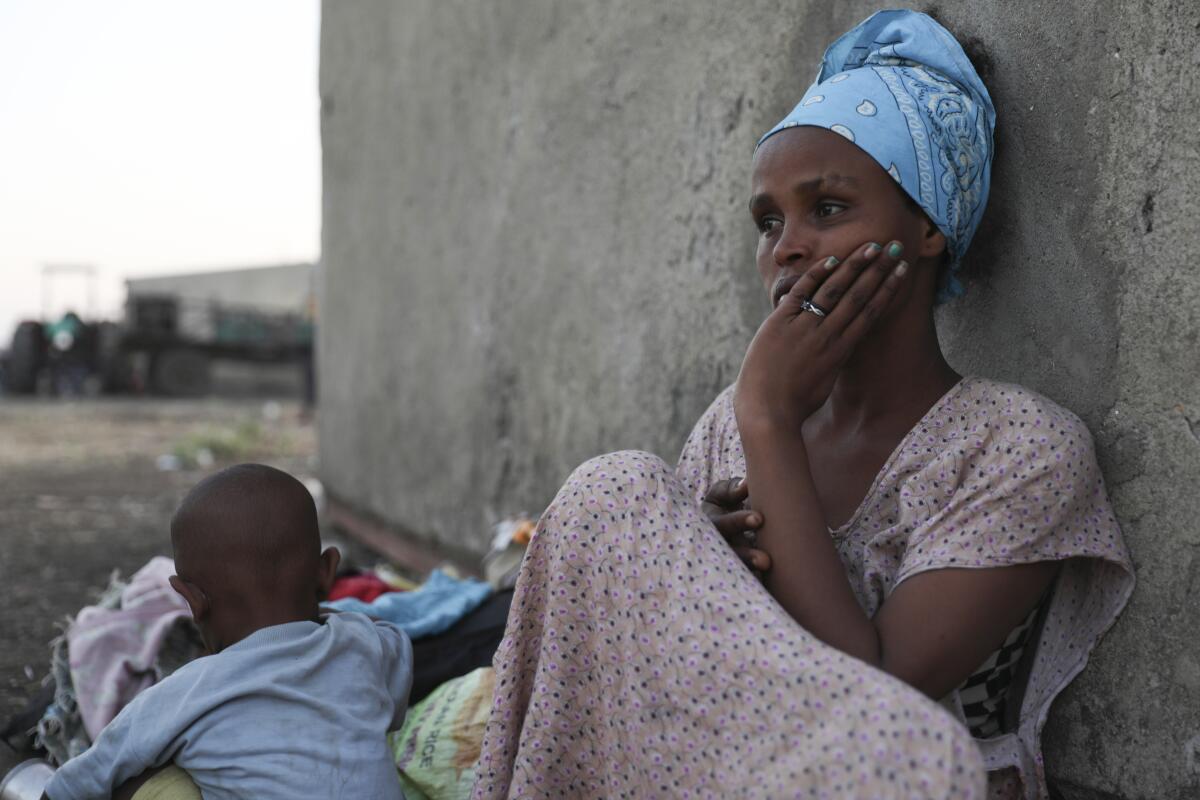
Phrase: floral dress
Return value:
(643, 659)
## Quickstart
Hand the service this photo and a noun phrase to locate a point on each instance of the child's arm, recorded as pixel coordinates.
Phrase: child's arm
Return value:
(398, 668)
(128, 789)
(114, 758)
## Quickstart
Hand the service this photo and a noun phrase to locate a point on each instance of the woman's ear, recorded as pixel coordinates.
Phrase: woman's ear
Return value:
(933, 241)
(196, 599)
(330, 559)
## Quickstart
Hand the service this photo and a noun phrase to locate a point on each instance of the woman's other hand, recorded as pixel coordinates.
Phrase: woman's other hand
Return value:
(725, 506)
(792, 364)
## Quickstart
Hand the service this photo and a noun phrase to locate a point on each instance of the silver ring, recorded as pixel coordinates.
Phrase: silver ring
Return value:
(751, 537)
(809, 305)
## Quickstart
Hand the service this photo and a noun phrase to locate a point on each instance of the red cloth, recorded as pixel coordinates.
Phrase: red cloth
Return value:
(363, 587)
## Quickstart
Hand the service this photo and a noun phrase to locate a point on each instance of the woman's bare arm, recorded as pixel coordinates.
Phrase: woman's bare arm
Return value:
(931, 632)
(936, 627)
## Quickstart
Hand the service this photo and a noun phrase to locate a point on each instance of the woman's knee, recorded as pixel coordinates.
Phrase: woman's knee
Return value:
(629, 495)
(621, 467)
(612, 489)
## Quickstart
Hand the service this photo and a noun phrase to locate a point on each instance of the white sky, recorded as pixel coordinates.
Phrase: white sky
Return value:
(147, 136)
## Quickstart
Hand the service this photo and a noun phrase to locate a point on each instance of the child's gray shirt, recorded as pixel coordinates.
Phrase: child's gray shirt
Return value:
(299, 710)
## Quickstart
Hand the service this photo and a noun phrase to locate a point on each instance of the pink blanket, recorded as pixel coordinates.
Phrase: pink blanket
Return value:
(112, 651)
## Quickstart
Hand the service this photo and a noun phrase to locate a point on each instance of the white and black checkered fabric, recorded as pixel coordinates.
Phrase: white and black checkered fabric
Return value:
(985, 693)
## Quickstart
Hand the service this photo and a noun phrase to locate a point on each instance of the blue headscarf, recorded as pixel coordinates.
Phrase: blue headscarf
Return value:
(900, 87)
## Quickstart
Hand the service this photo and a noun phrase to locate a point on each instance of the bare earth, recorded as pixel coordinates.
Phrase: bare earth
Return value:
(81, 495)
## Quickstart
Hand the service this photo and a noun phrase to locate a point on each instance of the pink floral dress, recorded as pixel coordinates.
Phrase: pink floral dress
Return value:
(642, 659)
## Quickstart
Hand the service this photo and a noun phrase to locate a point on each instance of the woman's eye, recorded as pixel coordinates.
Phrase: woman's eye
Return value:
(829, 209)
(768, 224)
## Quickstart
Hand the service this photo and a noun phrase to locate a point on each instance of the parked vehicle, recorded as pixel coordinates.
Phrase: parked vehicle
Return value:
(164, 345)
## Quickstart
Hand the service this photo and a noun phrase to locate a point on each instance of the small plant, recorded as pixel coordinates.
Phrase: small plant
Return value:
(204, 447)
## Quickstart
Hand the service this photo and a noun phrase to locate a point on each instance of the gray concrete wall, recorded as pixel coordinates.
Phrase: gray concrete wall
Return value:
(537, 249)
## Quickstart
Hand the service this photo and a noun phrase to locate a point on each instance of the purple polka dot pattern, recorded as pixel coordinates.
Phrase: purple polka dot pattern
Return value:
(993, 475)
(642, 659)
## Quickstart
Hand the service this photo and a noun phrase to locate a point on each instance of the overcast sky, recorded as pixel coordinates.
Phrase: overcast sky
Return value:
(147, 137)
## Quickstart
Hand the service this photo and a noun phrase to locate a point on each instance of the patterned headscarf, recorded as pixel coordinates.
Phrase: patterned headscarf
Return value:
(900, 87)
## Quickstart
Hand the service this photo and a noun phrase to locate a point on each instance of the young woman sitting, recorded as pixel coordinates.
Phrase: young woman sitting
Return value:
(908, 530)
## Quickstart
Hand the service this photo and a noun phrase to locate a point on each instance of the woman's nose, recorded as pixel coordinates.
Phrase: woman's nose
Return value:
(793, 247)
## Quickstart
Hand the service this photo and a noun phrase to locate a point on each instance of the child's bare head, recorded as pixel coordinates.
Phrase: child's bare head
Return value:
(248, 552)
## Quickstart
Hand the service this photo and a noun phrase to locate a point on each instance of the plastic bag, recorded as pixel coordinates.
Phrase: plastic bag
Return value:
(438, 747)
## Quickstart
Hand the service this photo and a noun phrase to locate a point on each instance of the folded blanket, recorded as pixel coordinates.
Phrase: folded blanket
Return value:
(435, 606)
(113, 650)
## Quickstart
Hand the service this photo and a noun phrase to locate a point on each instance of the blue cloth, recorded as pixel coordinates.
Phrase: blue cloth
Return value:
(439, 603)
(300, 710)
(900, 87)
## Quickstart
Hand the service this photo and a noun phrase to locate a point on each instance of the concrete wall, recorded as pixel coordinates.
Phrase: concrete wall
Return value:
(537, 249)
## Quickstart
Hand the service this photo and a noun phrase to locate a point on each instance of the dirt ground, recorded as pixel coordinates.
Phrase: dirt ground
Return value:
(88, 487)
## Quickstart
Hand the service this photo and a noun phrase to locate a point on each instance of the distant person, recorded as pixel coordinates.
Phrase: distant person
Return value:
(292, 702)
(70, 347)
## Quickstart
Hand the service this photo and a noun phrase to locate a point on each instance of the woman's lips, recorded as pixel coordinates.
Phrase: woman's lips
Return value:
(782, 287)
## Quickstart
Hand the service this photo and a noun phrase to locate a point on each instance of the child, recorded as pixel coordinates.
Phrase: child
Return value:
(292, 702)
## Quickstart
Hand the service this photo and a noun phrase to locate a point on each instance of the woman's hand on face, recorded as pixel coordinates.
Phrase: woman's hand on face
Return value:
(725, 506)
(792, 363)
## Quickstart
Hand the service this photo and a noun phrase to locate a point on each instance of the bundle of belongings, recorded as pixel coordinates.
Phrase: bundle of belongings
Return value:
(140, 630)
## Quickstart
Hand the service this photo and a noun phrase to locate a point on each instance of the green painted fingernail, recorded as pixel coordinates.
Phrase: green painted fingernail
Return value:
(831, 262)
(872, 250)
(895, 249)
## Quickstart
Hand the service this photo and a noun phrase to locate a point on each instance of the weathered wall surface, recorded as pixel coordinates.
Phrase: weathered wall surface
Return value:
(536, 249)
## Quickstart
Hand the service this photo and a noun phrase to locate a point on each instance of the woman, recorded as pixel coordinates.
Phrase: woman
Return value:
(908, 524)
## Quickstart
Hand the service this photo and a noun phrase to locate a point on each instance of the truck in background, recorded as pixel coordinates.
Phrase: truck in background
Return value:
(173, 330)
